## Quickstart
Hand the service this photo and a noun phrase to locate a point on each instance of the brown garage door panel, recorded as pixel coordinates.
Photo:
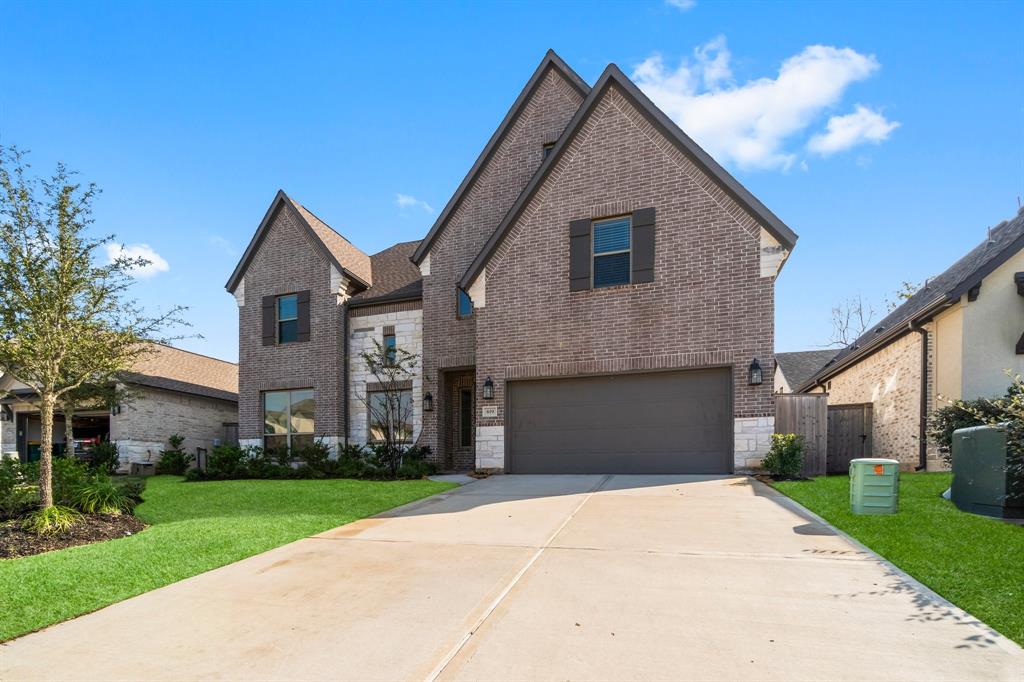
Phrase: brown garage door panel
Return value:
(666, 422)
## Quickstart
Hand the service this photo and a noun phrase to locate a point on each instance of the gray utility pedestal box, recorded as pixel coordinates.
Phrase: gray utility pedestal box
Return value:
(981, 484)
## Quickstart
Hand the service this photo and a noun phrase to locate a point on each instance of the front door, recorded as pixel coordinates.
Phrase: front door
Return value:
(460, 431)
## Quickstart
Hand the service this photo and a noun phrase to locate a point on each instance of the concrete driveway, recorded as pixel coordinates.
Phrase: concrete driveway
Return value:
(541, 578)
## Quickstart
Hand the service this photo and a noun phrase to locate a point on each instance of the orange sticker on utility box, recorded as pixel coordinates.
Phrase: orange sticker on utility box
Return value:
(879, 469)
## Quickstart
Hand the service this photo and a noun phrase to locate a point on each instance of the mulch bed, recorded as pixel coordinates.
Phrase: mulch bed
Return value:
(16, 542)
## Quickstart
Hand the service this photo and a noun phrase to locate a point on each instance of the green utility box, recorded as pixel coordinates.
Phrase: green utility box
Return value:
(981, 483)
(874, 486)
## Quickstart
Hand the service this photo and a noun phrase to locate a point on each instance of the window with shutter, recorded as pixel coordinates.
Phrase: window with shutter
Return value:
(611, 240)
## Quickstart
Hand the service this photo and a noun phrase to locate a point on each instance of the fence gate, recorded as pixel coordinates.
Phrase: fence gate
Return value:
(805, 414)
(849, 435)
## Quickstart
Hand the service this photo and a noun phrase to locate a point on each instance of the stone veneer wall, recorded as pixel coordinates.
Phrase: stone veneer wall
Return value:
(753, 438)
(363, 330)
(708, 291)
(450, 342)
(146, 423)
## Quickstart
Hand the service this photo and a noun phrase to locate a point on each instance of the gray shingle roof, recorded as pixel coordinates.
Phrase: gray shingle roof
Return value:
(800, 366)
(1004, 240)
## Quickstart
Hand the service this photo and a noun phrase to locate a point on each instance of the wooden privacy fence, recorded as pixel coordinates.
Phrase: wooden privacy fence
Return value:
(849, 435)
(805, 414)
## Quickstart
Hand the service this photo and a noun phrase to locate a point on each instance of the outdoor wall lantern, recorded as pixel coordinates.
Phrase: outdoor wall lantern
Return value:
(488, 389)
(755, 373)
(428, 402)
(115, 410)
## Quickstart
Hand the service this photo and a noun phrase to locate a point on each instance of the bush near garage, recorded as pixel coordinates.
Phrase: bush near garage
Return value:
(227, 462)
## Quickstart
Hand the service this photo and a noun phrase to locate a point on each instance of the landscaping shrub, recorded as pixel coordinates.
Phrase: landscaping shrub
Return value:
(101, 496)
(19, 491)
(314, 461)
(174, 460)
(786, 456)
(68, 475)
(132, 488)
(105, 458)
(56, 519)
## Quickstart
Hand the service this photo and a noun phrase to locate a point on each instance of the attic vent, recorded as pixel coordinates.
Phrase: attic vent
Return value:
(880, 329)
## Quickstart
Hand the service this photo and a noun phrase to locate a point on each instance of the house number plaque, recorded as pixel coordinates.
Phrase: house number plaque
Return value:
(489, 411)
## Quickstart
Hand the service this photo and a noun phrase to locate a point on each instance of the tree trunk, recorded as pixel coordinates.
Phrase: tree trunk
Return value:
(69, 429)
(46, 452)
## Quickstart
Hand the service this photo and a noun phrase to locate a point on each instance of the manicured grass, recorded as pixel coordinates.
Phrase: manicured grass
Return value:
(195, 527)
(973, 561)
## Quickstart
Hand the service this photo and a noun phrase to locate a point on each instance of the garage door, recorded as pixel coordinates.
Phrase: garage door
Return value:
(659, 423)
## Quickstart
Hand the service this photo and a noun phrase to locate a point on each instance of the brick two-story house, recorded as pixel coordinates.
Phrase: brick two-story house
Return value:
(597, 296)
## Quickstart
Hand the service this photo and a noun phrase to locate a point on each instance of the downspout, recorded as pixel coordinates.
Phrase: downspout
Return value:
(345, 370)
(922, 463)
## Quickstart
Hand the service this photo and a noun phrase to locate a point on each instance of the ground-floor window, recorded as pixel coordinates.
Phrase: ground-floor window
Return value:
(288, 419)
(390, 409)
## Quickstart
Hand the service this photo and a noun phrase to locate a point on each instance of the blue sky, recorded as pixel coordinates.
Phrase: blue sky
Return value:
(889, 136)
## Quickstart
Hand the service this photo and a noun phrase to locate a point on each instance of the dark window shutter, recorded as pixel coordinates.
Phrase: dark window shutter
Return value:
(579, 255)
(303, 306)
(643, 245)
(269, 320)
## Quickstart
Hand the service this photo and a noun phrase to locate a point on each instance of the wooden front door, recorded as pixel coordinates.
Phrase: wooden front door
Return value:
(460, 418)
(849, 435)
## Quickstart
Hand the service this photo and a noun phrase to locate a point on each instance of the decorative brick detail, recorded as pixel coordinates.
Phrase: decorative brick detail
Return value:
(385, 308)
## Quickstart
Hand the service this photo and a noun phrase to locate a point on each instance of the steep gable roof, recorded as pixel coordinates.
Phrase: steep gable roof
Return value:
(1003, 242)
(395, 277)
(550, 61)
(339, 251)
(613, 75)
(800, 366)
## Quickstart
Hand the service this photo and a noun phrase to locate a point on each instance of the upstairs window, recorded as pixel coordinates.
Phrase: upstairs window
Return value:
(465, 304)
(390, 349)
(548, 149)
(611, 252)
(287, 318)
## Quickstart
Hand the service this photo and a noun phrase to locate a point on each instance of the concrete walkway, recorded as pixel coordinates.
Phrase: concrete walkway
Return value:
(541, 578)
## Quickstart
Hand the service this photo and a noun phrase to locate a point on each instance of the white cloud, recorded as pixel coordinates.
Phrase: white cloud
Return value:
(156, 264)
(845, 132)
(406, 201)
(750, 124)
(683, 5)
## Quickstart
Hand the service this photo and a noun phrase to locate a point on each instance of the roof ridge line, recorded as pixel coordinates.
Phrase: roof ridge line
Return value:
(551, 60)
(666, 127)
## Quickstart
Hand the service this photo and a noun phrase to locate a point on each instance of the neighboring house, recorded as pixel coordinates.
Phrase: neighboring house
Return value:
(591, 299)
(794, 369)
(172, 391)
(957, 337)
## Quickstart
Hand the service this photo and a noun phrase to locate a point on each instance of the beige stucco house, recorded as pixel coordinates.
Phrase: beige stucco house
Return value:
(958, 337)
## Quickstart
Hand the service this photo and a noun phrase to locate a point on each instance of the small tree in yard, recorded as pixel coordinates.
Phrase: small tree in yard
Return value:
(389, 405)
(64, 318)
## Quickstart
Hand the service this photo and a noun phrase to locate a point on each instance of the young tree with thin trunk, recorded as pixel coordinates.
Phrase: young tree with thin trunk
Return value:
(390, 405)
(65, 320)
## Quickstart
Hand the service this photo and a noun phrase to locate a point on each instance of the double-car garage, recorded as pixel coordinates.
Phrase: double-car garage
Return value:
(676, 422)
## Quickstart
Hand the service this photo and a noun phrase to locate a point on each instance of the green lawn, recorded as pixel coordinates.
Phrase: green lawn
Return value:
(195, 527)
(973, 561)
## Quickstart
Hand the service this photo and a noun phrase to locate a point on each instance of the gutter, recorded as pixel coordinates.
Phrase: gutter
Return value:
(922, 435)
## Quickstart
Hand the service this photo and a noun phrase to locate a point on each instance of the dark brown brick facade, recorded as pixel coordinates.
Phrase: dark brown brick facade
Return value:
(449, 342)
(708, 304)
(286, 262)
